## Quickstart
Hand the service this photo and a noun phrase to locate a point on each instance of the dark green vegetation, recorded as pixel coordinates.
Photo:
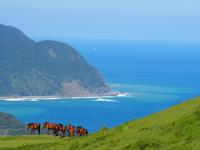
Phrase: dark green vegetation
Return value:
(9, 125)
(47, 68)
(175, 128)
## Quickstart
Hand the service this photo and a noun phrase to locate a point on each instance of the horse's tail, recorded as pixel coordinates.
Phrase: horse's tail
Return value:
(39, 127)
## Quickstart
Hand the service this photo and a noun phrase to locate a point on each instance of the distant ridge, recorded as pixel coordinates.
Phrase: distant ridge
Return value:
(46, 68)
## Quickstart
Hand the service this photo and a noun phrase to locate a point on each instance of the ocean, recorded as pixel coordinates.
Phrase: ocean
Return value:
(152, 75)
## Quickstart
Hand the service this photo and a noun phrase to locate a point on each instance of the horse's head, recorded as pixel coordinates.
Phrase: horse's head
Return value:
(56, 126)
(63, 128)
(61, 125)
(85, 131)
(28, 126)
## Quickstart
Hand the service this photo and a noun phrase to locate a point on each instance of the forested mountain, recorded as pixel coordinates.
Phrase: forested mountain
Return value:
(46, 68)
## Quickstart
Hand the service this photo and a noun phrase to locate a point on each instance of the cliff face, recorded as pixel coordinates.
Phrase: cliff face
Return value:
(47, 68)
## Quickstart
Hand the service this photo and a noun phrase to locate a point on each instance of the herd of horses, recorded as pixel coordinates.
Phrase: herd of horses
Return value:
(57, 129)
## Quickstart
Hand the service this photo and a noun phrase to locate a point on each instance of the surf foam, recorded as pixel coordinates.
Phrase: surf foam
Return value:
(105, 100)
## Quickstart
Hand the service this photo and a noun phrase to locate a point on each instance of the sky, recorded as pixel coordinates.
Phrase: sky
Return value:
(163, 20)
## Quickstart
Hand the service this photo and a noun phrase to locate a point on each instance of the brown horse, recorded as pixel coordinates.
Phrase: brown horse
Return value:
(49, 127)
(70, 130)
(81, 131)
(59, 129)
(56, 129)
(63, 130)
(34, 127)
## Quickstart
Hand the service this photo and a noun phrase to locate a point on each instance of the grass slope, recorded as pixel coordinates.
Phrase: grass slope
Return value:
(175, 128)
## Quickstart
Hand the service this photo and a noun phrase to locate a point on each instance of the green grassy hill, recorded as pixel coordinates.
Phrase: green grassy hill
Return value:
(175, 128)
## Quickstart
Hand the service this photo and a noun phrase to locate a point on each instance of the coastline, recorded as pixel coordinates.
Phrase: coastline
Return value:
(57, 97)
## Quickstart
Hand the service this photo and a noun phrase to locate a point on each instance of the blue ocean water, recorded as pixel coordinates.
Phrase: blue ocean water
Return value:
(155, 75)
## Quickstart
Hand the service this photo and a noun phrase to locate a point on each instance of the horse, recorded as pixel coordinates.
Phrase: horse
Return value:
(59, 128)
(56, 129)
(33, 127)
(81, 131)
(49, 127)
(70, 130)
(62, 130)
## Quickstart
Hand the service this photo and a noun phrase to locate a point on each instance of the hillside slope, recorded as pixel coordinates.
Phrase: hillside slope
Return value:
(46, 68)
(175, 128)
(9, 125)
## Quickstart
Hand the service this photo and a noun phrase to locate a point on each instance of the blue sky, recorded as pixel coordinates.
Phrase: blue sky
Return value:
(170, 20)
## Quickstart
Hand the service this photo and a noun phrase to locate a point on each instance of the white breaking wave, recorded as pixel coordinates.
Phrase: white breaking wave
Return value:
(93, 97)
(123, 95)
(98, 98)
(28, 99)
(34, 100)
(15, 99)
(105, 100)
(103, 97)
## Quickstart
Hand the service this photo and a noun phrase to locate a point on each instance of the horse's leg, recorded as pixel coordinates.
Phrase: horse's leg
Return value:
(61, 134)
(38, 131)
(64, 132)
(54, 133)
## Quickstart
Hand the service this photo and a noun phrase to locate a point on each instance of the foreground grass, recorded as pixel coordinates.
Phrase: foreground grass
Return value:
(175, 128)
(24, 141)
